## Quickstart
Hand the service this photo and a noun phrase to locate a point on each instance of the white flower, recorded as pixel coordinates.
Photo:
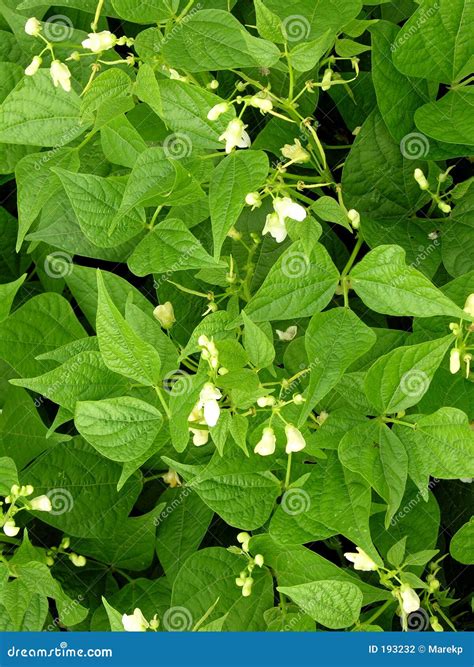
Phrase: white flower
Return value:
(295, 441)
(33, 27)
(295, 152)
(214, 84)
(208, 398)
(276, 227)
(99, 41)
(284, 207)
(244, 539)
(200, 436)
(287, 208)
(361, 560)
(298, 399)
(10, 529)
(235, 136)
(420, 178)
(135, 622)
(78, 561)
(266, 445)
(61, 75)
(261, 102)
(164, 313)
(247, 587)
(253, 199)
(469, 305)
(217, 110)
(354, 217)
(454, 361)
(259, 560)
(34, 66)
(171, 478)
(287, 335)
(410, 600)
(176, 76)
(41, 504)
(466, 480)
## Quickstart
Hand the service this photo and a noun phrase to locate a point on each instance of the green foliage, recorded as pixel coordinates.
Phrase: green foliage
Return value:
(236, 315)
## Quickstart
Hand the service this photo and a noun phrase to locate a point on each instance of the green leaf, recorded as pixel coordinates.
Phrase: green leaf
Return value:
(461, 547)
(396, 552)
(121, 429)
(257, 344)
(376, 453)
(306, 55)
(183, 108)
(8, 293)
(268, 23)
(458, 239)
(37, 183)
(111, 85)
(95, 201)
(169, 247)
(333, 340)
(449, 119)
(402, 377)
(36, 113)
(114, 616)
(328, 209)
(387, 285)
(157, 181)
(334, 604)
(398, 96)
(239, 489)
(182, 525)
(121, 142)
(122, 350)
(308, 19)
(238, 174)
(141, 11)
(298, 285)
(207, 582)
(8, 475)
(434, 43)
(42, 324)
(377, 179)
(215, 40)
(68, 474)
(441, 445)
(82, 377)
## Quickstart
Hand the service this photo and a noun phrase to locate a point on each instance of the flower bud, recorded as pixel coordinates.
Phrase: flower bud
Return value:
(78, 561)
(154, 623)
(15, 490)
(298, 399)
(436, 625)
(253, 199)
(34, 66)
(454, 361)
(33, 27)
(247, 587)
(266, 401)
(29, 489)
(217, 110)
(214, 84)
(354, 217)
(327, 77)
(171, 478)
(443, 206)
(261, 102)
(421, 179)
(164, 313)
(65, 543)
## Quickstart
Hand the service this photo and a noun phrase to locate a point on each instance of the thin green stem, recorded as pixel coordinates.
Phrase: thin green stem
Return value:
(352, 258)
(163, 402)
(98, 11)
(288, 471)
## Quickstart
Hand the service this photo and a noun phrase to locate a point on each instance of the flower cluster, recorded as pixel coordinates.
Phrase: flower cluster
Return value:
(245, 580)
(136, 622)
(17, 499)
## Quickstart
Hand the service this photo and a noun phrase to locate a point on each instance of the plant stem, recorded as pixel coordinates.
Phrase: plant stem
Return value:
(352, 258)
(163, 402)
(288, 471)
(98, 11)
